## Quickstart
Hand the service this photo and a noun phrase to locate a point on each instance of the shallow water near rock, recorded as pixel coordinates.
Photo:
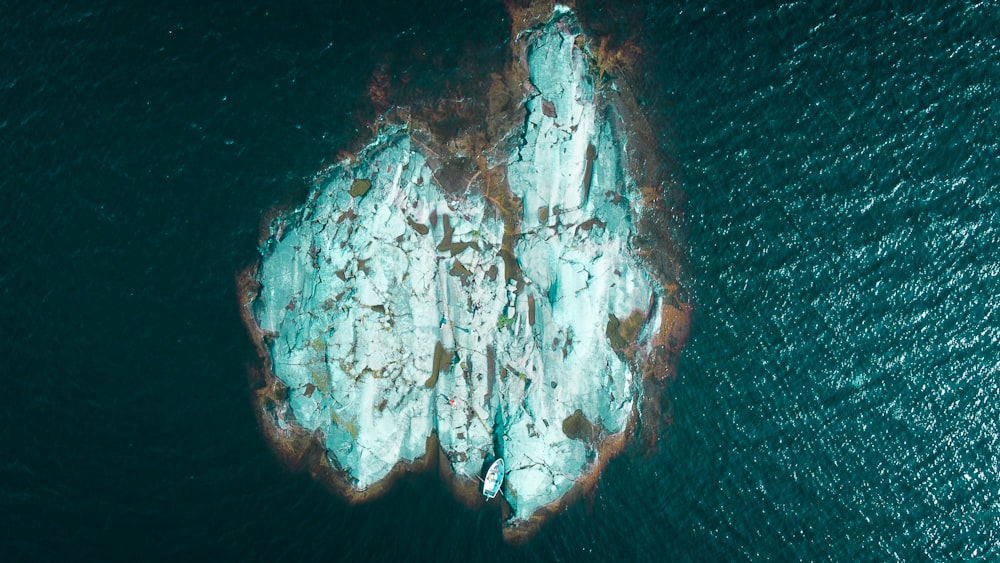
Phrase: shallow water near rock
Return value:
(837, 399)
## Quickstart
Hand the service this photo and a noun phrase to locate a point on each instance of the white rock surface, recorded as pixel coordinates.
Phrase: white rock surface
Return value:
(359, 292)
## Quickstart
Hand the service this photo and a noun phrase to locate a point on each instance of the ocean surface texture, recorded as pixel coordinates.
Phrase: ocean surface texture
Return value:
(838, 397)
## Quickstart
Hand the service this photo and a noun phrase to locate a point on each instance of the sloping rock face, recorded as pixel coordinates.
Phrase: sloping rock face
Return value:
(405, 323)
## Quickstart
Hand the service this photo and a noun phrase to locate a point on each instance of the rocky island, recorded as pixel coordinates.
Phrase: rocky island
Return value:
(439, 303)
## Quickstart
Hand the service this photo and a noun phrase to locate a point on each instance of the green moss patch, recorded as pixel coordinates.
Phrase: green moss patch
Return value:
(577, 427)
(360, 187)
(623, 334)
(442, 361)
(420, 228)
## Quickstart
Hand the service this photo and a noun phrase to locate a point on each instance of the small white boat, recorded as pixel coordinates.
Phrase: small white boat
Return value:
(494, 479)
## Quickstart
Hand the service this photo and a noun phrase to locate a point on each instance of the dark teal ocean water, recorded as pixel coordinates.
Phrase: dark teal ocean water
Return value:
(838, 398)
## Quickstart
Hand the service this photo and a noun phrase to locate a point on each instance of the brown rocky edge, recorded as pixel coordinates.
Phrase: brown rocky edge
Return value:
(472, 139)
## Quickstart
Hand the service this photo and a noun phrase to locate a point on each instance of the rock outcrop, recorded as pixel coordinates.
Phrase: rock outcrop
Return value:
(406, 322)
